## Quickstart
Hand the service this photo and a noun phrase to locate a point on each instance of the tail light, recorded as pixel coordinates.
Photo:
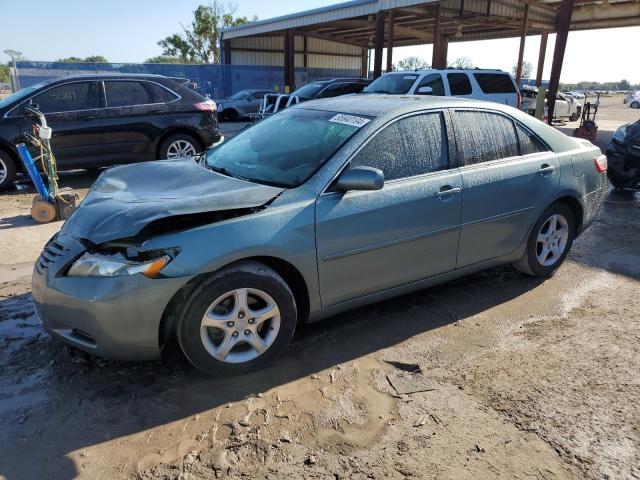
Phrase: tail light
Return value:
(601, 163)
(206, 106)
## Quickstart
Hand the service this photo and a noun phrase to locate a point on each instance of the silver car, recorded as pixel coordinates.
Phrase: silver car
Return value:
(324, 207)
(241, 105)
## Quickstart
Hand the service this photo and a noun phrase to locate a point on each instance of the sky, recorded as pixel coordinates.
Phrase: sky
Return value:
(128, 31)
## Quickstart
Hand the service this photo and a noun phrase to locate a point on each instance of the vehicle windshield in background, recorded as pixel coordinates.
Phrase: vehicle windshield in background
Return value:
(396, 84)
(286, 149)
(309, 91)
(241, 95)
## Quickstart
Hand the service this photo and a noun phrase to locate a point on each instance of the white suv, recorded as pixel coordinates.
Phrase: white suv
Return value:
(492, 85)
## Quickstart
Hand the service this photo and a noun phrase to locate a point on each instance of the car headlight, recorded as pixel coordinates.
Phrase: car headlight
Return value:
(98, 265)
(620, 134)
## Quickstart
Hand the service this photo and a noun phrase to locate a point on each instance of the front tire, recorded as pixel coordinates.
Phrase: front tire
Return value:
(180, 145)
(635, 104)
(7, 171)
(238, 320)
(549, 242)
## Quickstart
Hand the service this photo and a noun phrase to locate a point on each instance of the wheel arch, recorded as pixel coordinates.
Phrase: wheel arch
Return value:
(6, 148)
(173, 131)
(576, 208)
(289, 273)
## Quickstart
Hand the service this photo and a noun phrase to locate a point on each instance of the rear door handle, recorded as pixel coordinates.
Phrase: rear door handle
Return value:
(447, 190)
(546, 168)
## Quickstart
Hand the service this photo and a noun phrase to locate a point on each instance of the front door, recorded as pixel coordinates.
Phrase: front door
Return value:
(372, 241)
(70, 110)
(508, 174)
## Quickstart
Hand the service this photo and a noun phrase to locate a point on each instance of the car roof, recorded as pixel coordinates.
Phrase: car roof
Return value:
(103, 76)
(341, 79)
(376, 105)
(449, 70)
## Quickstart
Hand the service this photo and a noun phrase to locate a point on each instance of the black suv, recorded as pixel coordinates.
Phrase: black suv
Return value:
(331, 87)
(102, 120)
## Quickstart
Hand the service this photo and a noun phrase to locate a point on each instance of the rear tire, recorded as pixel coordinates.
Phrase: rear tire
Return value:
(635, 104)
(237, 320)
(7, 171)
(548, 246)
(179, 143)
(231, 115)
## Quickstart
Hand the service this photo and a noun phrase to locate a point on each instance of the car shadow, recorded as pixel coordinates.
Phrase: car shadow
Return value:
(133, 397)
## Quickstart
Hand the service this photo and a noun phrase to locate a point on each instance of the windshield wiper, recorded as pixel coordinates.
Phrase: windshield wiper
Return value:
(226, 172)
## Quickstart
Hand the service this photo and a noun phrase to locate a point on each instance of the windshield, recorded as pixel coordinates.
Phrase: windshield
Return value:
(286, 149)
(241, 95)
(19, 95)
(394, 83)
(310, 90)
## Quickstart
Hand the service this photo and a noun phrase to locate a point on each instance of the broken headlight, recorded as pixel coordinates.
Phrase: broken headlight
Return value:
(98, 265)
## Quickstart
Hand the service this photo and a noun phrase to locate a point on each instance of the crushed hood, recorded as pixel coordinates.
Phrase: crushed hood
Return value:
(123, 200)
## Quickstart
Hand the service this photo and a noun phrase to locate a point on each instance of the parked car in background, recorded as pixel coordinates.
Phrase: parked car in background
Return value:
(324, 88)
(324, 207)
(103, 120)
(241, 104)
(491, 85)
(566, 108)
(632, 99)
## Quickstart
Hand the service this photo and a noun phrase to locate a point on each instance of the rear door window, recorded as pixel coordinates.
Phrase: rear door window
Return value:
(352, 88)
(434, 81)
(459, 84)
(529, 143)
(495, 82)
(332, 91)
(127, 93)
(68, 97)
(484, 136)
(411, 146)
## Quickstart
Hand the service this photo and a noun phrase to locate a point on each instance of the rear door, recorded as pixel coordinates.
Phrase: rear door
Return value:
(459, 85)
(71, 110)
(497, 87)
(135, 116)
(508, 175)
(374, 240)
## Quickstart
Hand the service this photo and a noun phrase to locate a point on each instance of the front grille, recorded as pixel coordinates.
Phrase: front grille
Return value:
(51, 251)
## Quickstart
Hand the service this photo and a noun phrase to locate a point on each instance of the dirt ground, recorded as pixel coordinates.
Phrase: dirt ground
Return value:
(496, 375)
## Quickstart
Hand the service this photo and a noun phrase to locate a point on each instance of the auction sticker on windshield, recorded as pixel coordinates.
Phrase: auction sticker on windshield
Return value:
(349, 120)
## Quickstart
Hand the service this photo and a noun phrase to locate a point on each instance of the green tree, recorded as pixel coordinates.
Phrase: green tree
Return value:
(4, 74)
(90, 59)
(412, 63)
(163, 59)
(200, 42)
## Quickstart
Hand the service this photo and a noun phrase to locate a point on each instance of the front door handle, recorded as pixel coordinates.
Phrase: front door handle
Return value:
(447, 190)
(546, 168)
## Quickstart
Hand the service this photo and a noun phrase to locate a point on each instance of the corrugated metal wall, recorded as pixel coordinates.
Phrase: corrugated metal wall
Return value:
(269, 51)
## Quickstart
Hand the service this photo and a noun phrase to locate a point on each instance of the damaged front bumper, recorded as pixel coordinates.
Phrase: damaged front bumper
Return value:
(112, 317)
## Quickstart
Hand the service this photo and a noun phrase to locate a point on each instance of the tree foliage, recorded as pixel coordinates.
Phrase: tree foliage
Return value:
(89, 59)
(4, 74)
(163, 59)
(412, 63)
(527, 69)
(622, 85)
(200, 42)
(462, 62)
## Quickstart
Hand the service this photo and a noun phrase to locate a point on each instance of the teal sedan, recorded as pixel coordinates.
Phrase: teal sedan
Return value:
(324, 207)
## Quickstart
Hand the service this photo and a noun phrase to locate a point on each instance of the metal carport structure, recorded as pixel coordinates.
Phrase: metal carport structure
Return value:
(343, 34)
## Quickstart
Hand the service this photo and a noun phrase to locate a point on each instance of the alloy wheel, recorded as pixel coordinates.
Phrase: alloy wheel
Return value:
(552, 240)
(3, 171)
(181, 149)
(240, 325)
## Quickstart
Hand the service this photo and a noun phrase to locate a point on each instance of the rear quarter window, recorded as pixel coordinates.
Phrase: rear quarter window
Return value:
(459, 84)
(495, 82)
(128, 93)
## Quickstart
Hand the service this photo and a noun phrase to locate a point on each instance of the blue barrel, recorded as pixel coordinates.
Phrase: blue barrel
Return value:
(30, 165)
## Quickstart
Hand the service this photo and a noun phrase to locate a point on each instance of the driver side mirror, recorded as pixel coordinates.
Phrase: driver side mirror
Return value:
(360, 178)
(424, 91)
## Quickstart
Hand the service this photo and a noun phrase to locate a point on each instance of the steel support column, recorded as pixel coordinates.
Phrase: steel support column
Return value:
(391, 19)
(289, 61)
(364, 65)
(523, 39)
(226, 47)
(541, 56)
(437, 39)
(564, 22)
(378, 43)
